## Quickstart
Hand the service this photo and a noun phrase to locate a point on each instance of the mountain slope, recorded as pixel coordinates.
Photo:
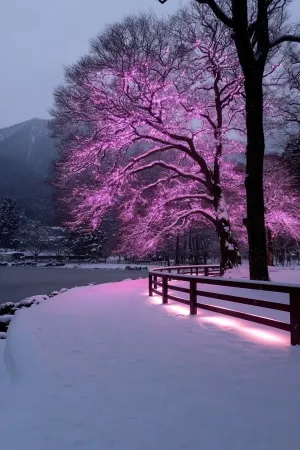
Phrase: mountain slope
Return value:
(29, 142)
(26, 155)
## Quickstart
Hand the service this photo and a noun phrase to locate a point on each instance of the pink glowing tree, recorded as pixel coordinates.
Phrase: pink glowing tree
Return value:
(141, 113)
(282, 200)
(158, 212)
(169, 207)
(258, 29)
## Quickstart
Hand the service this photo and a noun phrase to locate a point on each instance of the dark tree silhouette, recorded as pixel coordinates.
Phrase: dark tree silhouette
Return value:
(10, 218)
(258, 28)
(87, 244)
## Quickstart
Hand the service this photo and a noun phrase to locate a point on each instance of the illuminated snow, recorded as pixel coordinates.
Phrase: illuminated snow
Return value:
(106, 367)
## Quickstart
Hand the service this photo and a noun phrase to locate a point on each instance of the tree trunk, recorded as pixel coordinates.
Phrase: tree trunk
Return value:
(230, 256)
(196, 258)
(228, 247)
(185, 250)
(190, 248)
(254, 177)
(177, 250)
(270, 247)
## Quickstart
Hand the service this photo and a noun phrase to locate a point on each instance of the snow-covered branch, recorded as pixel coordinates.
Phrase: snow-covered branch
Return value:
(171, 167)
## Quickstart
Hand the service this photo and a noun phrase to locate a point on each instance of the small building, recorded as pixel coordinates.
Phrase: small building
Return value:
(12, 256)
(115, 259)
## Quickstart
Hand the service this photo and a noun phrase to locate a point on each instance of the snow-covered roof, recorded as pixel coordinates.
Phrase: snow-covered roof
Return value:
(12, 252)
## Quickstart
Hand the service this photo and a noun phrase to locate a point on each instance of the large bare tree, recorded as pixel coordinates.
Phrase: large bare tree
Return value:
(258, 28)
(142, 101)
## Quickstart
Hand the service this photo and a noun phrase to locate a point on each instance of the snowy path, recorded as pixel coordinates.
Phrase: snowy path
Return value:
(104, 367)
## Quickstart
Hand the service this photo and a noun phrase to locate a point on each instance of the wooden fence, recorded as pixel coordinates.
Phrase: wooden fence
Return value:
(201, 275)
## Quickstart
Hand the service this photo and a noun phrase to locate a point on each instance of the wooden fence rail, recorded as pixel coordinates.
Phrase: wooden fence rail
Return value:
(210, 274)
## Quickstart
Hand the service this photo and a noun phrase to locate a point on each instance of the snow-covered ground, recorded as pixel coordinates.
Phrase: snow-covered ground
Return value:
(277, 273)
(106, 367)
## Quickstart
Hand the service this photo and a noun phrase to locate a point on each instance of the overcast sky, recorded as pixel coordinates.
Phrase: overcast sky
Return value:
(38, 37)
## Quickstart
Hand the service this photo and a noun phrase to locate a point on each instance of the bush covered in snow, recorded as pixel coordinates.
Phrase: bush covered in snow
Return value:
(8, 308)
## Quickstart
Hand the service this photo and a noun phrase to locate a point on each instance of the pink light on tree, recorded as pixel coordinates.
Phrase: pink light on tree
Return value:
(282, 201)
(168, 207)
(168, 110)
(161, 211)
(258, 29)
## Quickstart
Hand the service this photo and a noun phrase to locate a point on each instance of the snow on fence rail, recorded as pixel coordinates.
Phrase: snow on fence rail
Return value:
(162, 277)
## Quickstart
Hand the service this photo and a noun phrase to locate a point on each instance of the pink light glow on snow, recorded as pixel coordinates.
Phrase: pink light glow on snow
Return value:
(179, 309)
(175, 308)
(220, 321)
(155, 299)
(261, 336)
(267, 337)
(252, 333)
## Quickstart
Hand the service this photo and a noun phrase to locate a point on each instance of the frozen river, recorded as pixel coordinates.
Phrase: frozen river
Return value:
(17, 283)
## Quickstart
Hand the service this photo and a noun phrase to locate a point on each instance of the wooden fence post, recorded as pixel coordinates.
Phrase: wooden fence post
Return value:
(155, 282)
(165, 290)
(193, 297)
(206, 271)
(150, 285)
(295, 317)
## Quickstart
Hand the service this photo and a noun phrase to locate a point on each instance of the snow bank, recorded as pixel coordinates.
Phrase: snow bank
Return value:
(105, 367)
(6, 318)
(35, 299)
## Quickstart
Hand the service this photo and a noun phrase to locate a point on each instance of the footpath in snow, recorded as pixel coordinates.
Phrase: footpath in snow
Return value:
(105, 367)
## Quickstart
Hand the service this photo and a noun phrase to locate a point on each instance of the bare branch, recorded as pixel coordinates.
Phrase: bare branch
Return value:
(188, 213)
(170, 167)
(285, 38)
(219, 13)
(207, 197)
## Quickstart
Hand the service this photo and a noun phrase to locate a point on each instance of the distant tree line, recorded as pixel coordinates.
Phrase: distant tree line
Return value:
(19, 233)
